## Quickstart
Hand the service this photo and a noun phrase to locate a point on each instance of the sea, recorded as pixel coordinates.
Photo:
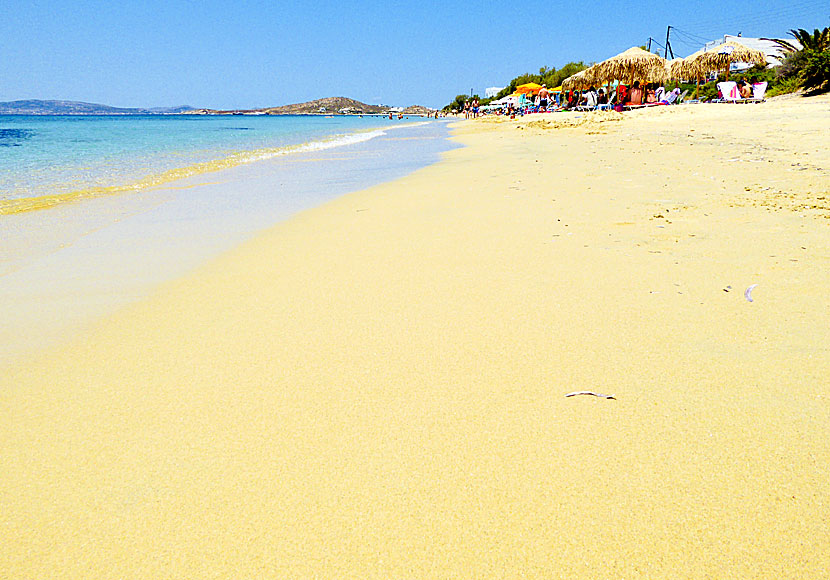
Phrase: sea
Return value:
(97, 211)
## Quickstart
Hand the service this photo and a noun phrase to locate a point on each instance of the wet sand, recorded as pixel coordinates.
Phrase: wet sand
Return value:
(375, 388)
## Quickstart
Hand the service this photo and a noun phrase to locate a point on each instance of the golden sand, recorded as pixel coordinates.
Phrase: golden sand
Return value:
(375, 388)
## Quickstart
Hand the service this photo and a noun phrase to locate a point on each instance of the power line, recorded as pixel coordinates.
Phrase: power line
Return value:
(793, 8)
(694, 35)
(689, 36)
(758, 19)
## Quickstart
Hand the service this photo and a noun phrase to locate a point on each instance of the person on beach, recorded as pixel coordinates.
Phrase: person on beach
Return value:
(573, 99)
(590, 98)
(635, 95)
(544, 96)
(620, 98)
(475, 108)
(746, 89)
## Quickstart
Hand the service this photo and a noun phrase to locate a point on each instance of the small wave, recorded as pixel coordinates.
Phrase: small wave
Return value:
(25, 204)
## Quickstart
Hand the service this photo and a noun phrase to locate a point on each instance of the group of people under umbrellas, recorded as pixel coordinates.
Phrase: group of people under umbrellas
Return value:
(634, 77)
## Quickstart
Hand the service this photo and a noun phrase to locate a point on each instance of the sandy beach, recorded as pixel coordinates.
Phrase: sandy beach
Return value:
(376, 387)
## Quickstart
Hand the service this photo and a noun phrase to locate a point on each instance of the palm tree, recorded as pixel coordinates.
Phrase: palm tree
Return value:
(819, 40)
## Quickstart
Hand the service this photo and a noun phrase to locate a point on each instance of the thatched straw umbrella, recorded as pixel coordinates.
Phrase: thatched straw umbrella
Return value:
(722, 56)
(688, 68)
(581, 80)
(633, 64)
(674, 69)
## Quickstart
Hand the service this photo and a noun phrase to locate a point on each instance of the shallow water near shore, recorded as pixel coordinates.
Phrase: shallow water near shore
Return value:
(64, 267)
(49, 159)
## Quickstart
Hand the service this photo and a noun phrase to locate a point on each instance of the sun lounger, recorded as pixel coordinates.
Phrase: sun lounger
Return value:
(729, 92)
(630, 107)
(609, 105)
(670, 98)
(758, 92)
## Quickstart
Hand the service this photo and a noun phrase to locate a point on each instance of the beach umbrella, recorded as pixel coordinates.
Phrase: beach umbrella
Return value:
(631, 65)
(688, 68)
(514, 99)
(684, 68)
(722, 56)
(580, 80)
(531, 88)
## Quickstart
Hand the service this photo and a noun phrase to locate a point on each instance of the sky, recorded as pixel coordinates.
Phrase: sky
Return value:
(258, 53)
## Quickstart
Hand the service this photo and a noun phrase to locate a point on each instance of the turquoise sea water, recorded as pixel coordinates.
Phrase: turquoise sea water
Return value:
(59, 155)
(136, 201)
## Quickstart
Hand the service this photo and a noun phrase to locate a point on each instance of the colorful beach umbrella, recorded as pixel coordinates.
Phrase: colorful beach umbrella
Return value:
(531, 88)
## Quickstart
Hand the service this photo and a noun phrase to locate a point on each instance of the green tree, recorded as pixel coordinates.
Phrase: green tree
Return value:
(547, 76)
(816, 71)
(457, 103)
(819, 40)
(806, 66)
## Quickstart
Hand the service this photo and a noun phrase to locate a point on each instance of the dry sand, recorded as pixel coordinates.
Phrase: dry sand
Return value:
(375, 388)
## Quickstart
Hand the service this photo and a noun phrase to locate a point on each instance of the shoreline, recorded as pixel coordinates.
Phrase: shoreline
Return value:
(170, 177)
(64, 267)
(376, 387)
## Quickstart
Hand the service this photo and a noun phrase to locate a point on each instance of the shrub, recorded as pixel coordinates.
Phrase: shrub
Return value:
(816, 70)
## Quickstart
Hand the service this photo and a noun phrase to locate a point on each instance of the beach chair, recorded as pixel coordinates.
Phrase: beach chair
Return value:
(758, 92)
(609, 105)
(682, 97)
(670, 98)
(729, 92)
(591, 105)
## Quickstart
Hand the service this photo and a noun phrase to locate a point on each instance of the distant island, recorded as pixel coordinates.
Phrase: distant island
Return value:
(37, 107)
(327, 106)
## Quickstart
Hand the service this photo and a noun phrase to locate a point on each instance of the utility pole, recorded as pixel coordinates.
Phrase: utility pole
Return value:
(649, 44)
(668, 44)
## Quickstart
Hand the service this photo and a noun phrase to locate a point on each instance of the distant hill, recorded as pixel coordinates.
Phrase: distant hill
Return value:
(417, 110)
(327, 106)
(36, 107)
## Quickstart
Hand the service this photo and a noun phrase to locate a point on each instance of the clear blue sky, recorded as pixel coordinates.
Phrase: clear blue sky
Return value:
(253, 53)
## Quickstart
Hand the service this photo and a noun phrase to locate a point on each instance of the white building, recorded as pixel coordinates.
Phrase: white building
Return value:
(491, 92)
